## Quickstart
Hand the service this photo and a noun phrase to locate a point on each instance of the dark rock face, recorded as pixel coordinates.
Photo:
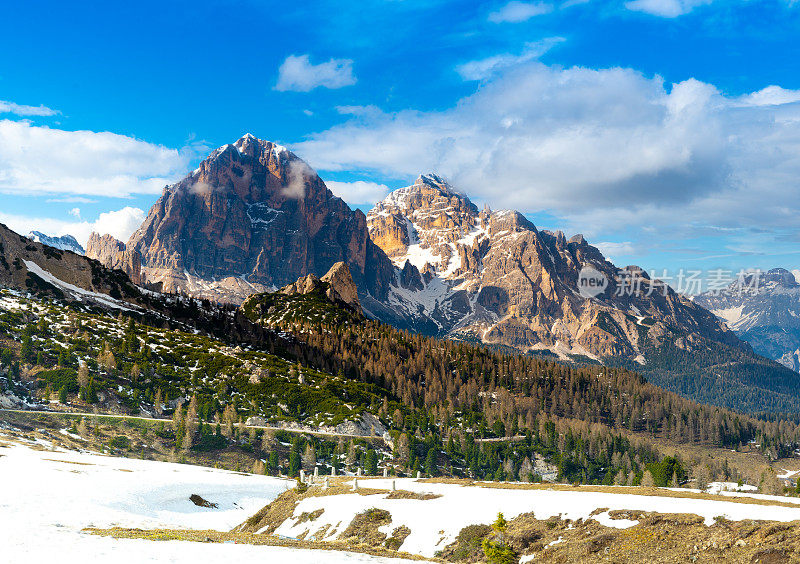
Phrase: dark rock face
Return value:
(113, 254)
(254, 212)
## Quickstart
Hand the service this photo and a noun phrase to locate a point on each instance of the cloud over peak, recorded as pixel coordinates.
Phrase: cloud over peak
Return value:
(298, 74)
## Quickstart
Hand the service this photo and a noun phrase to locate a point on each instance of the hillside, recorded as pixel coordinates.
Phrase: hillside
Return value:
(254, 217)
(305, 359)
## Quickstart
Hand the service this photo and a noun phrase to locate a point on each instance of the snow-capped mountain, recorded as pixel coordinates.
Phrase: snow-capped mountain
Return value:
(764, 310)
(65, 243)
(496, 278)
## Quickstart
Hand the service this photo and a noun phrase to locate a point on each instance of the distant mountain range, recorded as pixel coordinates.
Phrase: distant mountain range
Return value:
(764, 310)
(253, 217)
(65, 243)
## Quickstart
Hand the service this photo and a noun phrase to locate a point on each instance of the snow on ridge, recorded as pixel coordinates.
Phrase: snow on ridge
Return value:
(460, 506)
(75, 290)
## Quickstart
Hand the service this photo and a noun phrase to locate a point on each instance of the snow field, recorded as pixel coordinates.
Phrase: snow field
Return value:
(435, 523)
(48, 496)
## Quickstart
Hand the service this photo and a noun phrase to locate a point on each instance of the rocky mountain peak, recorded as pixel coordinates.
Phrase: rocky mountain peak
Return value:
(65, 242)
(114, 254)
(253, 216)
(423, 223)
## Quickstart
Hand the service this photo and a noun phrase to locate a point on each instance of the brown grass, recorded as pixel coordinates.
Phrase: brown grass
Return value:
(249, 538)
(619, 490)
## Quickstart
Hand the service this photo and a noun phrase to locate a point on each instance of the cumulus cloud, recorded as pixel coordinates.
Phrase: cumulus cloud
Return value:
(359, 192)
(665, 8)
(298, 74)
(601, 149)
(484, 68)
(770, 96)
(43, 160)
(515, 11)
(119, 224)
(27, 111)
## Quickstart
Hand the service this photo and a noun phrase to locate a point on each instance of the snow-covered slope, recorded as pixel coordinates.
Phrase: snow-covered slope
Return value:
(49, 496)
(435, 523)
(65, 243)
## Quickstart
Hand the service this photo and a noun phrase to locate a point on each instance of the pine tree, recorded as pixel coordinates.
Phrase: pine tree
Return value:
(309, 457)
(158, 403)
(62, 395)
(371, 463)
(430, 462)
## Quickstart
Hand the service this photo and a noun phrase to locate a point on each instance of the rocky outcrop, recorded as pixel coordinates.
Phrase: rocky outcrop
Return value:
(255, 212)
(113, 254)
(337, 284)
(494, 277)
(341, 287)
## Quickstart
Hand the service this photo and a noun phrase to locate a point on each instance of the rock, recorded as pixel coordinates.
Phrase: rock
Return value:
(341, 286)
(113, 254)
(495, 277)
(255, 212)
(200, 502)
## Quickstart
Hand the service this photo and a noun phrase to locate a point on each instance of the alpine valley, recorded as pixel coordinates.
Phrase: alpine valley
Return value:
(257, 326)
(255, 217)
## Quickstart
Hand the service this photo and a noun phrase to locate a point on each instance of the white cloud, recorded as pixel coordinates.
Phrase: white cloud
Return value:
(665, 8)
(298, 74)
(484, 68)
(359, 192)
(515, 11)
(770, 96)
(602, 149)
(75, 212)
(612, 250)
(119, 224)
(21, 110)
(42, 160)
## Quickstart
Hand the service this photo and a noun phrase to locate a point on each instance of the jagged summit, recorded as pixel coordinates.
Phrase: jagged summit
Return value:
(251, 217)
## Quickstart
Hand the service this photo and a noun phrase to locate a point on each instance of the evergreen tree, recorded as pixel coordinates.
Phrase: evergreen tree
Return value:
(62, 395)
(371, 463)
(430, 462)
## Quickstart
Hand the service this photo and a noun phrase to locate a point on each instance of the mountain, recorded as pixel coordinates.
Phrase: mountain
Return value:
(253, 216)
(495, 277)
(114, 254)
(764, 310)
(65, 242)
(35, 267)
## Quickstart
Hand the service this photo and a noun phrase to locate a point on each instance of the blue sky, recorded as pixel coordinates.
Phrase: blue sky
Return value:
(667, 131)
